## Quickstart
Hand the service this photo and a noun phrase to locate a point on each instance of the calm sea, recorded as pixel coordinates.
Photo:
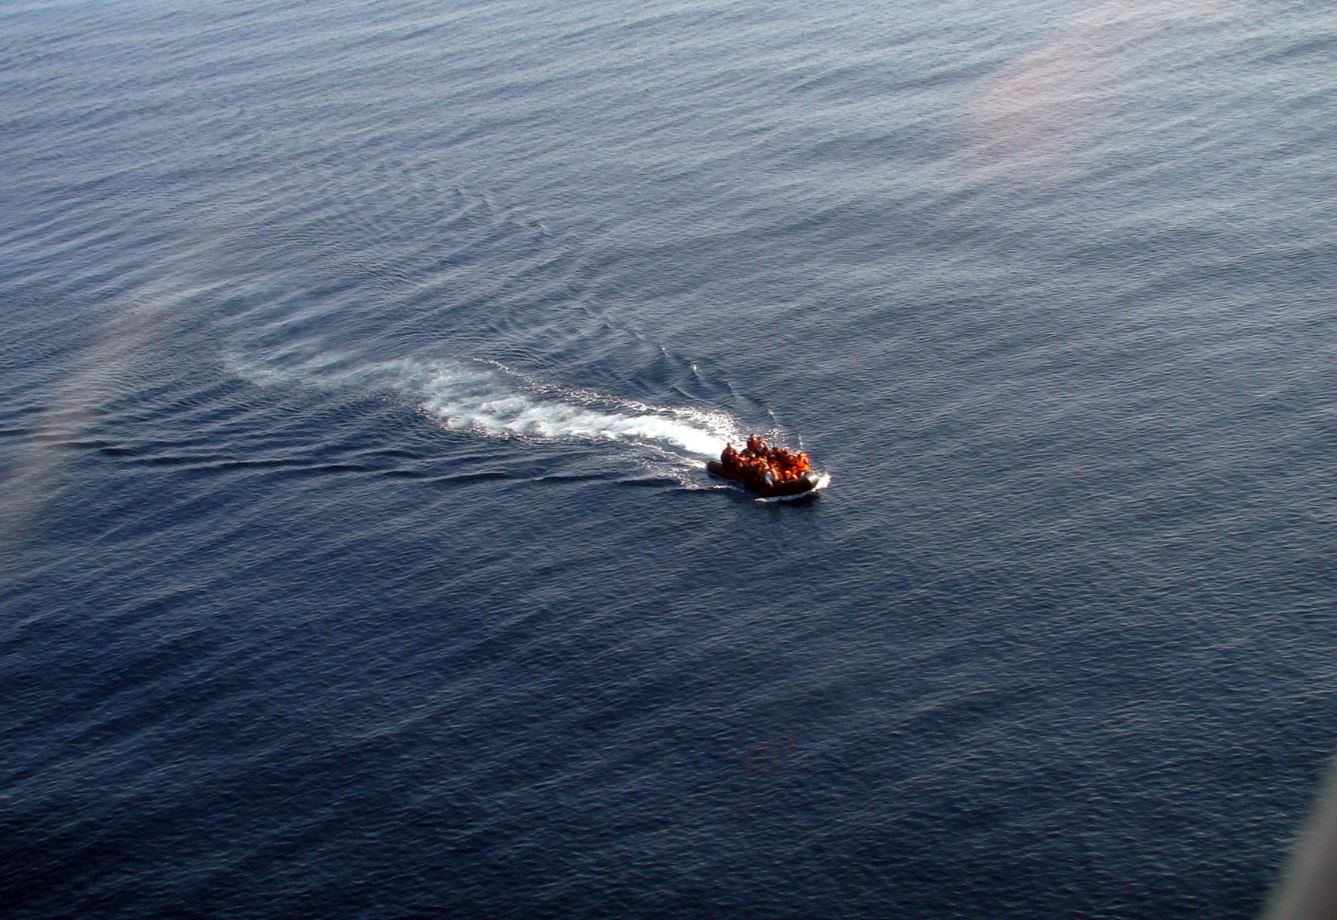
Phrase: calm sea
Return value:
(358, 363)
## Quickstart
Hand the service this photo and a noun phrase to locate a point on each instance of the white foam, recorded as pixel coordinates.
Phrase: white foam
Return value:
(492, 400)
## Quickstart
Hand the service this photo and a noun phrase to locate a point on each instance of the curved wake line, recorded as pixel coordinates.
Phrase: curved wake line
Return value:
(492, 400)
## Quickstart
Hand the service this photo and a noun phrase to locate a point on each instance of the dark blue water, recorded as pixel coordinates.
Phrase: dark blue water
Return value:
(358, 362)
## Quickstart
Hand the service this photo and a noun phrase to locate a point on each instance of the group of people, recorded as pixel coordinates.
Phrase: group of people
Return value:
(761, 461)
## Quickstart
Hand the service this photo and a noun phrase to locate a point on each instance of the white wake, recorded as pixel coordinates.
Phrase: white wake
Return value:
(491, 400)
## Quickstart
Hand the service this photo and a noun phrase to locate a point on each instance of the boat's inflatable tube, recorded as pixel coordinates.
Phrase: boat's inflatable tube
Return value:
(808, 482)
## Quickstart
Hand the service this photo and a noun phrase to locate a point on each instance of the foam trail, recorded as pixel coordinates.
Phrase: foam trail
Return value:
(492, 400)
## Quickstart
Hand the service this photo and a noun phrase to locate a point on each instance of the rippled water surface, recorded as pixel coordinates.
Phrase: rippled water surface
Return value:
(358, 363)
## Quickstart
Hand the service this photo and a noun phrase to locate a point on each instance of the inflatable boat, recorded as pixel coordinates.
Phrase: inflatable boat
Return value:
(810, 483)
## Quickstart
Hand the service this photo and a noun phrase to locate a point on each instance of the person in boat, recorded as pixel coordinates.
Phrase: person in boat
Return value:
(729, 457)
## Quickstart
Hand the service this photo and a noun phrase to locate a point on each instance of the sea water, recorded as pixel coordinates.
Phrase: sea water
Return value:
(358, 366)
